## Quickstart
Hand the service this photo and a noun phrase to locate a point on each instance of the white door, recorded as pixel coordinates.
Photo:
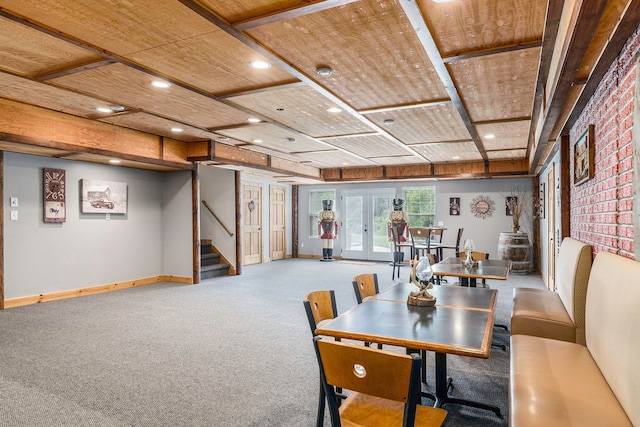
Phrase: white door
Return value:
(363, 224)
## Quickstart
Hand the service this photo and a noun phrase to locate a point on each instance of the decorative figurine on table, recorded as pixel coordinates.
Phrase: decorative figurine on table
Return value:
(421, 274)
(398, 220)
(469, 247)
(327, 229)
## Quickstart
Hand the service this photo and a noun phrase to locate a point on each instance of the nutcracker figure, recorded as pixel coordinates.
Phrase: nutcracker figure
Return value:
(327, 229)
(398, 221)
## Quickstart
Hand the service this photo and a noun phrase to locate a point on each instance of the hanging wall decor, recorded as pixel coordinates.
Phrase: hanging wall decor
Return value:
(454, 206)
(104, 197)
(584, 157)
(482, 207)
(54, 181)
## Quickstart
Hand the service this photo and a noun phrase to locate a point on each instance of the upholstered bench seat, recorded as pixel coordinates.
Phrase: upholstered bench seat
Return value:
(557, 383)
(541, 313)
(556, 314)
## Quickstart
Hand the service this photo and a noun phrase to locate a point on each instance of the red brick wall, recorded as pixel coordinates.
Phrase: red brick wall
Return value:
(601, 209)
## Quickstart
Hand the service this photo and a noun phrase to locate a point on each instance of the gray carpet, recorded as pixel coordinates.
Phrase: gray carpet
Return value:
(231, 351)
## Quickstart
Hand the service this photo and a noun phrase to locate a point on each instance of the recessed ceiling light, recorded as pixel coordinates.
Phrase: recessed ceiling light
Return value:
(253, 120)
(334, 110)
(345, 163)
(223, 138)
(114, 161)
(257, 141)
(117, 108)
(489, 136)
(260, 65)
(291, 140)
(388, 122)
(161, 84)
(104, 110)
(324, 71)
(177, 130)
(456, 157)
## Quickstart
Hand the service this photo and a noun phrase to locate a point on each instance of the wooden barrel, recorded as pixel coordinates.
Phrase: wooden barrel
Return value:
(515, 247)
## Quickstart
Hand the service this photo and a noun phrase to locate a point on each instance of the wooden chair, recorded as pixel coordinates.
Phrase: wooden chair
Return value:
(384, 386)
(398, 251)
(455, 247)
(365, 285)
(320, 306)
(435, 242)
(420, 241)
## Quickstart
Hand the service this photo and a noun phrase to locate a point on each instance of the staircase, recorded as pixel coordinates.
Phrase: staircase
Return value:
(210, 265)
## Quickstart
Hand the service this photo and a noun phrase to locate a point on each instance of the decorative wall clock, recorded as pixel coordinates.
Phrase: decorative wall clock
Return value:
(482, 207)
(54, 192)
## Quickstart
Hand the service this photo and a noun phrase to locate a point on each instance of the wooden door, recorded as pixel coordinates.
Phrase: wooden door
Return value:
(551, 230)
(277, 235)
(251, 224)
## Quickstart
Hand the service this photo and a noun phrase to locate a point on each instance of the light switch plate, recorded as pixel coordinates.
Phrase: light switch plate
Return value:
(14, 202)
(14, 215)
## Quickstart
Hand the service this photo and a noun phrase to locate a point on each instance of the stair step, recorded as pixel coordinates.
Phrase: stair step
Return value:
(216, 270)
(209, 259)
(205, 248)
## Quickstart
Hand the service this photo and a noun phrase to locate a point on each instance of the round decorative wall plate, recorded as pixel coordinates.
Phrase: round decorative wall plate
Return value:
(482, 207)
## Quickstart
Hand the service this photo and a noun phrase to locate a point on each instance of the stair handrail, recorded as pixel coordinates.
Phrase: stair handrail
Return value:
(216, 217)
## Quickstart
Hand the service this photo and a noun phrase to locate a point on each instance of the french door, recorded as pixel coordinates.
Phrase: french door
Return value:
(364, 219)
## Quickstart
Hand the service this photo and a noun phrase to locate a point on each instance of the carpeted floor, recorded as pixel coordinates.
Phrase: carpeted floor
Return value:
(231, 351)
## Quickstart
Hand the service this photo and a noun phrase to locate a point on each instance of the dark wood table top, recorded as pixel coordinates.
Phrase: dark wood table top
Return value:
(485, 269)
(442, 329)
(450, 296)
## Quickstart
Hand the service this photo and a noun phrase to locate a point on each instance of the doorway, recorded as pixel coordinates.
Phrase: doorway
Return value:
(277, 235)
(251, 224)
(551, 228)
(365, 215)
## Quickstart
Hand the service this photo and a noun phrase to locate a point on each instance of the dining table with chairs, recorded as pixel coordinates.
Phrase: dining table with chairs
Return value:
(460, 323)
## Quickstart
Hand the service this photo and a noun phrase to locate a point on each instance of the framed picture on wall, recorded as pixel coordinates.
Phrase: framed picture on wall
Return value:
(510, 202)
(54, 191)
(454, 206)
(584, 157)
(100, 196)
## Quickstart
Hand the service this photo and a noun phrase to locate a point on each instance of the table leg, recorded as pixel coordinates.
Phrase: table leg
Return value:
(442, 387)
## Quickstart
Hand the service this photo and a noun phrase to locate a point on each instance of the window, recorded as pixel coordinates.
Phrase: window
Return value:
(420, 205)
(315, 207)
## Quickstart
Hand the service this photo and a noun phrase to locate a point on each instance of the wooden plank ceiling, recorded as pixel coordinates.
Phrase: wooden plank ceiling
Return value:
(423, 83)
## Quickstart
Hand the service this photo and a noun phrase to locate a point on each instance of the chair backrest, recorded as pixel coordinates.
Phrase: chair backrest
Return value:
(373, 372)
(420, 236)
(475, 255)
(436, 235)
(572, 277)
(319, 306)
(365, 285)
(459, 238)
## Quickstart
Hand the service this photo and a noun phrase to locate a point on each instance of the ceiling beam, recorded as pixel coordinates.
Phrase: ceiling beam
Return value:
(414, 14)
(584, 21)
(291, 13)
(494, 51)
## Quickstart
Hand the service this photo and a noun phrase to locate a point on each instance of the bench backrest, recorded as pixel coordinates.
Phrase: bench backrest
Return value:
(613, 327)
(572, 278)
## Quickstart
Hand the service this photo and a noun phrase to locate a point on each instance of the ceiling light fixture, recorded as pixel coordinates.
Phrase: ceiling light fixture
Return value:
(291, 140)
(388, 122)
(260, 65)
(104, 110)
(223, 138)
(177, 130)
(115, 161)
(334, 110)
(324, 71)
(117, 108)
(257, 141)
(253, 120)
(456, 157)
(160, 84)
(489, 136)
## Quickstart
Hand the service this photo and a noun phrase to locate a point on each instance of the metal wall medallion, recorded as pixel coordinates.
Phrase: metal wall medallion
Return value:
(482, 207)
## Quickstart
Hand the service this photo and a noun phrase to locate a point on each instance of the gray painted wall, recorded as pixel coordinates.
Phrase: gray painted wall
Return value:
(87, 250)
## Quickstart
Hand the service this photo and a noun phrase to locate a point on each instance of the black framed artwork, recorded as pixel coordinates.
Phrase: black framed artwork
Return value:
(584, 157)
(510, 202)
(454, 206)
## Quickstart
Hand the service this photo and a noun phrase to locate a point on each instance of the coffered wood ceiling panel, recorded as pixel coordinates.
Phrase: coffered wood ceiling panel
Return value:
(420, 84)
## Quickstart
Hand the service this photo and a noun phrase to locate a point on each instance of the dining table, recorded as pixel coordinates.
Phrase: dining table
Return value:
(460, 323)
(482, 269)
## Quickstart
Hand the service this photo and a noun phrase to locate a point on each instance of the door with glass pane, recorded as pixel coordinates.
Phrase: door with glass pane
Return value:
(364, 225)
